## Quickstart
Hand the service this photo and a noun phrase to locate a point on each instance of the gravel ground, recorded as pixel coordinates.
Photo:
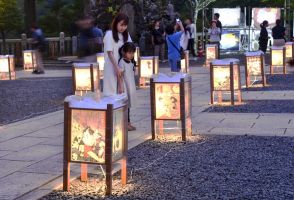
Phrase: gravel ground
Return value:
(26, 98)
(207, 167)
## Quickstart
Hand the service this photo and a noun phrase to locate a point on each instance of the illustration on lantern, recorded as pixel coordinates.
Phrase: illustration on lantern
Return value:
(167, 97)
(277, 58)
(83, 79)
(222, 78)
(254, 67)
(88, 136)
(210, 53)
(118, 134)
(146, 71)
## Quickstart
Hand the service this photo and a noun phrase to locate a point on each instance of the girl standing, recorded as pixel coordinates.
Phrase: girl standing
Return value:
(127, 65)
(113, 40)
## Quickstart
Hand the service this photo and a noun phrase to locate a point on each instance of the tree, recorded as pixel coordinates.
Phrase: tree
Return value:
(30, 13)
(10, 18)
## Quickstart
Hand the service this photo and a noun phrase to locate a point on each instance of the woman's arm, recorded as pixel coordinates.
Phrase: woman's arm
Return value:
(114, 63)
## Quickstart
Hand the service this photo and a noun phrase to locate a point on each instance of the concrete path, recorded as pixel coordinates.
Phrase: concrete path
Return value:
(31, 150)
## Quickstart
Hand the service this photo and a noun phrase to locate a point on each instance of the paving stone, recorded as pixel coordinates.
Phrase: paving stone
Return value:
(9, 166)
(19, 143)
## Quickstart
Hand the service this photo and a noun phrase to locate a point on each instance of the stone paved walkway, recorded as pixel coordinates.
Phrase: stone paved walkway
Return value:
(31, 150)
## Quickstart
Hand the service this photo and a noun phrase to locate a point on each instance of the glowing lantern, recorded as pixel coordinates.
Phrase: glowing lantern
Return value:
(100, 61)
(278, 59)
(185, 63)
(254, 67)
(148, 66)
(7, 67)
(171, 104)
(289, 50)
(137, 55)
(29, 60)
(95, 133)
(211, 53)
(86, 78)
(225, 77)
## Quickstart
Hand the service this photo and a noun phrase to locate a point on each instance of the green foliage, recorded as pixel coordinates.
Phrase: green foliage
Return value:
(10, 18)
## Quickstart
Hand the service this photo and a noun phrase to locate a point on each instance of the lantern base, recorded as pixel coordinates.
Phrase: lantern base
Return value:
(227, 101)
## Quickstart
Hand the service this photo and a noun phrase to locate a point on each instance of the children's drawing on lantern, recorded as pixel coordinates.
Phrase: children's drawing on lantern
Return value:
(254, 66)
(210, 53)
(221, 78)
(277, 57)
(88, 136)
(167, 97)
(146, 68)
(83, 79)
(118, 124)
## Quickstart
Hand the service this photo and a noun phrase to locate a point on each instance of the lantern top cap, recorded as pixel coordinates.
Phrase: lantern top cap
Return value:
(226, 61)
(84, 65)
(148, 57)
(169, 78)
(277, 47)
(89, 101)
(6, 56)
(211, 45)
(289, 43)
(100, 54)
(254, 53)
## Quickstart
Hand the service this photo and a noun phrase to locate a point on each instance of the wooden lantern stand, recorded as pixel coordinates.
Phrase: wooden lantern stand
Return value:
(272, 64)
(208, 60)
(143, 79)
(9, 73)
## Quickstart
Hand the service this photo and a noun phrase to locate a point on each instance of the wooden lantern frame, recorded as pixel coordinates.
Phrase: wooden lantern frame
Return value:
(185, 111)
(185, 63)
(292, 48)
(155, 65)
(231, 65)
(101, 67)
(137, 55)
(108, 162)
(93, 87)
(8, 74)
(216, 52)
(33, 60)
(284, 66)
(248, 75)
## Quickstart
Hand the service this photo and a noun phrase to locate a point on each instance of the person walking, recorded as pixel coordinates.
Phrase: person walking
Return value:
(184, 42)
(173, 44)
(278, 33)
(263, 38)
(113, 41)
(218, 23)
(192, 29)
(40, 46)
(158, 40)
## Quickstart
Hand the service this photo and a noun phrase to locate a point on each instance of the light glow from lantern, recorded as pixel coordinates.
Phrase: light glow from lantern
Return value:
(4, 64)
(277, 58)
(289, 49)
(254, 66)
(83, 79)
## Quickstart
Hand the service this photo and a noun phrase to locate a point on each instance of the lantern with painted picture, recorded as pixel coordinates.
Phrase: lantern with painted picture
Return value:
(137, 55)
(225, 79)
(95, 133)
(289, 50)
(171, 105)
(29, 60)
(100, 61)
(278, 59)
(185, 63)
(7, 67)
(148, 66)
(254, 68)
(211, 53)
(86, 78)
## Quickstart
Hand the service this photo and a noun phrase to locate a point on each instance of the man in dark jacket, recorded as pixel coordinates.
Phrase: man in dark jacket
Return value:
(279, 34)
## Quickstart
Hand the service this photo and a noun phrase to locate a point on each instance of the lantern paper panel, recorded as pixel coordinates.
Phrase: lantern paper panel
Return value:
(147, 64)
(254, 65)
(100, 61)
(137, 55)
(29, 59)
(211, 52)
(88, 136)
(221, 76)
(4, 64)
(289, 50)
(118, 132)
(7, 68)
(83, 79)
(167, 100)
(188, 98)
(277, 57)
(163, 127)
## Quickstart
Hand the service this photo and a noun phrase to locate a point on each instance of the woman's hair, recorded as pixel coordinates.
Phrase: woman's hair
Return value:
(213, 21)
(118, 18)
(127, 47)
(170, 29)
(264, 23)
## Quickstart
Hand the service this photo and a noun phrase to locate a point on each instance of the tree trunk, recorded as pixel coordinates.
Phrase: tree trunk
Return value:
(195, 22)
(128, 9)
(30, 14)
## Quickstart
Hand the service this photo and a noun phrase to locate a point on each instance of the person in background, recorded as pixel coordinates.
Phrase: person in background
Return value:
(192, 29)
(278, 33)
(97, 34)
(218, 23)
(185, 38)
(263, 38)
(127, 64)
(173, 44)
(158, 40)
(40, 46)
(214, 33)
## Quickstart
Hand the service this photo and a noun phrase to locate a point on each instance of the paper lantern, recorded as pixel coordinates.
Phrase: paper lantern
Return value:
(7, 67)
(100, 61)
(86, 78)
(137, 55)
(211, 53)
(29, 60)
(278, 59)
(224, 78)
(289, 50)
(147, 67)
(185, 63)
(95, 133)
(254, 67)
(171, 104)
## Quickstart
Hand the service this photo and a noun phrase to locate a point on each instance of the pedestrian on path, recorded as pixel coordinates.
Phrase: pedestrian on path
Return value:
(278, 33)
(127, 65)
(158, 40)
(192, 30)
(113, 40)
(39, 45)
(263, 38)
(173, 44)
(185, 38)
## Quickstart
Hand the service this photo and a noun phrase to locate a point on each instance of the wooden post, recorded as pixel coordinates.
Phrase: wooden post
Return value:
(74, 45)
(92, 77)
(211, 84)
(84, 172)
(284, 61)
(66, 159)
(247, 76)
(23, 41)
(153, 107)
(182, 109)
(74, 87)
(262, 70)
(108, 148)
(271, 62)
(125, 149)
(232, 83)
(9, 68)
(61, 43)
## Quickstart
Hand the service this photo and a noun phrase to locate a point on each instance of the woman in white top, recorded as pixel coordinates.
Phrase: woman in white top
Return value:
(185, 38)
(214, 33)
(113, 40)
